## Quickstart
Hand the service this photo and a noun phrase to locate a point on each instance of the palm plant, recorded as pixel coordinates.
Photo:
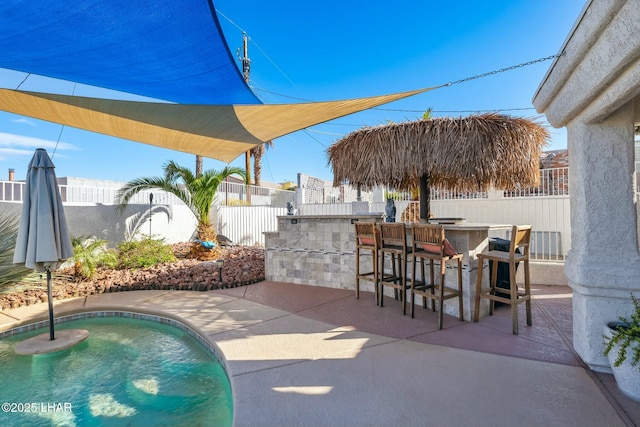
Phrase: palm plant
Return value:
(257, 152)
(198, 193)
(88, 254)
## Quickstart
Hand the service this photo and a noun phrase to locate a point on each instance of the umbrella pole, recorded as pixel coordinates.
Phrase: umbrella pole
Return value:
(50, 298)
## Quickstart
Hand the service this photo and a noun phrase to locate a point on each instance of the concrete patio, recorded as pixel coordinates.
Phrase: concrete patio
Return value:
(303, 355)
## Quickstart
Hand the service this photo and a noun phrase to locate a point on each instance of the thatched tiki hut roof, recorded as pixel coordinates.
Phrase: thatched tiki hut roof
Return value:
(473, 153)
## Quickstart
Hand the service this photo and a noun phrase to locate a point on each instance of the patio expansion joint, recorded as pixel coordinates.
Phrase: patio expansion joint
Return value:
(568, 347)
(247, 325)
(326, 357)
(10, 316)
(311, 307)
(244, 293)
(271, 368)
(433, 332)
(152, 297)
(222, 304)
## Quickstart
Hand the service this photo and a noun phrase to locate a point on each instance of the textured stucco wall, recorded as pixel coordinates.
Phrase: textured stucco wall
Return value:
(603, 266)
(599, 71)
(105, 223)
(593, 90)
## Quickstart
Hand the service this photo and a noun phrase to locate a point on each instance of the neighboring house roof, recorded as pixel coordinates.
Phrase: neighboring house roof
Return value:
(554, 159)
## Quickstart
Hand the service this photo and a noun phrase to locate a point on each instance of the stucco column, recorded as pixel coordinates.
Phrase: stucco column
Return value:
(603, 266)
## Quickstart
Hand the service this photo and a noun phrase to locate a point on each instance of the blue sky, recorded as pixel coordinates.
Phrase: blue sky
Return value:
(317, 51)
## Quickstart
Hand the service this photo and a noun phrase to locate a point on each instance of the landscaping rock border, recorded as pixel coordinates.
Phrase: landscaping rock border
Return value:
(243, 265)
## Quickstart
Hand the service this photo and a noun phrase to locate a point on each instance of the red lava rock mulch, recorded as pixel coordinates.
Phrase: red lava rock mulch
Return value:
(243, 265)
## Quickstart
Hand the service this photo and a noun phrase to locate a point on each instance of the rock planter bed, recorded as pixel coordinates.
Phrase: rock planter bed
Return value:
(243, 265)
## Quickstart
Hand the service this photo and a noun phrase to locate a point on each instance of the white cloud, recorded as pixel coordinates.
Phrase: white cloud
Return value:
(13, 140)
(25, 121)
(5, 153)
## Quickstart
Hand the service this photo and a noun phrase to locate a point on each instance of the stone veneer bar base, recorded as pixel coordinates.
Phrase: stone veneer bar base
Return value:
(315, 250)
(320, 251)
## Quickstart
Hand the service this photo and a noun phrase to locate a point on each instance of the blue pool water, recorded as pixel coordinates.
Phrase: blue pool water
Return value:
(129, 372)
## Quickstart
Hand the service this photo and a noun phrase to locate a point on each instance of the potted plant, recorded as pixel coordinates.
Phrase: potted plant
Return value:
(622, 340)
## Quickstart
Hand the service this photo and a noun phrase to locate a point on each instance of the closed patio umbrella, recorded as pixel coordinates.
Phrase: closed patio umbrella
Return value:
(43, 238)
(472, 153)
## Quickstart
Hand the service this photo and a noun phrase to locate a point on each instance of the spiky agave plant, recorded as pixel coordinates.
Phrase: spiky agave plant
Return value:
(10, 273)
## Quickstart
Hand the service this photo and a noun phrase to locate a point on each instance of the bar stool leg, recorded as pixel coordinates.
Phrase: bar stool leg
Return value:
(460, 290)
(493, 281)
(403, 282)
(357, 273)
(413, 284)
(527, 289)
(374, 261)
(432, 284)
(381, 292)
(424, 281)
(395, 272)
(380, 260)
(513, 288)
(476, 311)
(443, 267)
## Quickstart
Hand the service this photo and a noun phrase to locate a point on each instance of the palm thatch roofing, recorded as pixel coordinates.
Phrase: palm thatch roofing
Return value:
(473, 153)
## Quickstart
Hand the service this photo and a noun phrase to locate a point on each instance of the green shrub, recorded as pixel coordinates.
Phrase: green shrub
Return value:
(144, 253)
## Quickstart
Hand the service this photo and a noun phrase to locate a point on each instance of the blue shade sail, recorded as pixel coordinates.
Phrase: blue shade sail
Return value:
(171, 50)
(168, 50)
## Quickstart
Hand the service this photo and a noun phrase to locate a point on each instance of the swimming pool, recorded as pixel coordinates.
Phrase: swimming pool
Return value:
(129, 371)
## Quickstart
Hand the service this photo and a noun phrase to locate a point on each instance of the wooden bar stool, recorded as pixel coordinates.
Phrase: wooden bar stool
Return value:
(520, 239)
(367, 239)
(429, 243)
(393, 239)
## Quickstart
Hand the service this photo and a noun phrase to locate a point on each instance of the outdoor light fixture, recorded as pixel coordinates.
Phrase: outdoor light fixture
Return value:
(219, 264)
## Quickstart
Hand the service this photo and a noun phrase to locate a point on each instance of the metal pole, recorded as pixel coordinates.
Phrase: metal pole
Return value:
(150, 213)
(246, 69)
(50, 298)
(425, 198)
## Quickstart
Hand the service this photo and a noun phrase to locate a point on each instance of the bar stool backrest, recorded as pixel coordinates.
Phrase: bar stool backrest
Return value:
(393, 234)
(429, 237)
(367, 234)
(520, 238)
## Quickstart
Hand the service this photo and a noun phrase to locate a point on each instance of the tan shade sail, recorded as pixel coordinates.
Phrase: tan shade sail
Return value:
(221, 132)
(472, 153)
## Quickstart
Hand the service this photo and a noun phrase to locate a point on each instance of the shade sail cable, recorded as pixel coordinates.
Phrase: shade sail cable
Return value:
(221, 132)
(502, 70)
(23, 80)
